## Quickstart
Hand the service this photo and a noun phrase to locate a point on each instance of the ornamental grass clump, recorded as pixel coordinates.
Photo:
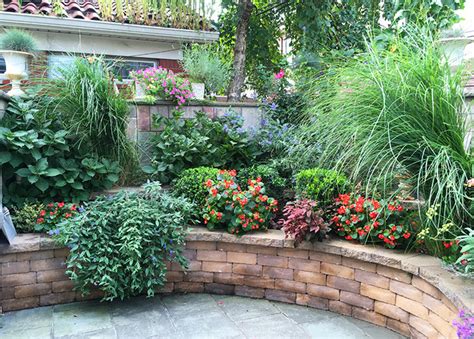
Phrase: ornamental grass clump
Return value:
(392, 114)
(17, 40)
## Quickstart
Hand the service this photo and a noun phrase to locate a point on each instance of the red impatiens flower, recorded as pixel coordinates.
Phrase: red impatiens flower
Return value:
(341, 210)
(60, 204)
(373, 215)
(209, 183)
(42, 213)
(407, 235)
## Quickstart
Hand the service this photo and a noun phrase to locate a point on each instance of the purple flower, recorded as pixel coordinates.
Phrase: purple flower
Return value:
(273, 106)
(465, 325)
(240, 130)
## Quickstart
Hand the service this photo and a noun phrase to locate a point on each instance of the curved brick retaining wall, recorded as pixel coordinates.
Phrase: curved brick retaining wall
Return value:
(408, 293)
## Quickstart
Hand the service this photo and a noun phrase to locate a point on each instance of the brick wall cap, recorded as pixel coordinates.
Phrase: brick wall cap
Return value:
(199, 103)
(459, 290)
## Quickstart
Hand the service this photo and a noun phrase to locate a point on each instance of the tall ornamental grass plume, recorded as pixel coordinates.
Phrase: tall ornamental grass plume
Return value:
(93, 111)
(392, 116)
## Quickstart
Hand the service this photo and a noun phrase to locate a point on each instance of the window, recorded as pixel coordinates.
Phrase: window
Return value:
(120, 68)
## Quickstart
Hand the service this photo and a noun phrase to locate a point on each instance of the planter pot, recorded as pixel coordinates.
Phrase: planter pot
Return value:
(453, 49)
(198, 90)
(16, 64)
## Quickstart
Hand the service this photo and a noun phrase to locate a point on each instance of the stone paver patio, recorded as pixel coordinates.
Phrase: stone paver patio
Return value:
(185, 316)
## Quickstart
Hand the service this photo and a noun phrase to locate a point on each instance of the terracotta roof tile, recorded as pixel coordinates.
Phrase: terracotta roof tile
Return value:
(81, 9)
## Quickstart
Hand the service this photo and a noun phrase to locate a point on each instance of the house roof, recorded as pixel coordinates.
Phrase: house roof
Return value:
(130, 13)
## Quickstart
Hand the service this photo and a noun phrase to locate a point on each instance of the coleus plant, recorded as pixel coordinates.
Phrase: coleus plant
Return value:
(240, 211)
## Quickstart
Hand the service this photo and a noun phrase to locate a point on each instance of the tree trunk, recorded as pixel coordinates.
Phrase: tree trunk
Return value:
(238, 78)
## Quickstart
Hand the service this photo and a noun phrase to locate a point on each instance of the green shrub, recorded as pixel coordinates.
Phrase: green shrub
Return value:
(191, 184)
(274, 183)
(320, 184)
(17, 40)
(121, 244)
(24, 217)
(40, 160)
(203, 65)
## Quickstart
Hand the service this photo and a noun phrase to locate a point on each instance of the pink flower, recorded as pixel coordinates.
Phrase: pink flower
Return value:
(280, 75)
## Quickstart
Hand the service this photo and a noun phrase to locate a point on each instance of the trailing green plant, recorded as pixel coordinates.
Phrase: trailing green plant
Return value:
(93, 112)
(17, 40)
(40, 160)
(320, 184)
(466, 243)
(121, 244)
(391, 112)
(203, 65)
(24, 217)
(191, 185)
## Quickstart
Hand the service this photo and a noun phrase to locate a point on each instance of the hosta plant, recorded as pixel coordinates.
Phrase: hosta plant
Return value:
(303, 220)
(238, 210)
(369, 220)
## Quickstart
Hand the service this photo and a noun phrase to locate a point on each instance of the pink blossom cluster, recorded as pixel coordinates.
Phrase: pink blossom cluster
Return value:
(165, 83)
(280, 75)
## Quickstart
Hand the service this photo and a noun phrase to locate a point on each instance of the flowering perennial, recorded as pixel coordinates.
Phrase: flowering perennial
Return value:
(52, 215)
(465, 325)
(164, 83)
(370, 220)
(240, 210)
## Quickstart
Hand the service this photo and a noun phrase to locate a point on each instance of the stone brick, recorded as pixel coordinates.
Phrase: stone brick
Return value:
(293, 253)
(340, 307)
(246, 269)
(290, 285)
(229, 278)
(449, 304)
(344, 284)
(7, 293)
(63, 286)
(206, 277)
(35, 255)
(261, 250)
(32, 290)
(94, 294)
(251, 292)
(412, 307)
(278, 273)
(47, 264)
(357, 300)
(8, 257)
(176, 267)
(442, 326)
(376, 293)
(219, 288)
(316, 302)
(305, 265)
(278, 295)
(230, 247)
(325, 257)
(369, 316)
(337, 270)
(310, 277)
(273, 261)
(19, 304)
(61, 253)
(406, 290)
(426, 287)
(391, 311)
(437, 307)
(259, 282)
(190, 254)
(194, 265)
(15, 267)
(216, 267)
(359, 264)
(398, 326)
(414, 334)
(423, 327)
(201, 245)
(52, 275)
(205, 255)
(372, 279)
(188, 287)
(242, 258)
(174, 276)
(166, 288)
(57, 298)
(394, 274)
(323, 292)
(18, 279)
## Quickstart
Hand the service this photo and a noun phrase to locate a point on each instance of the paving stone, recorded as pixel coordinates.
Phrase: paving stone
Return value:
(238, 308)
(27, 319)
(36, 333)
(302, 314)
(272, 326)
(338, 328)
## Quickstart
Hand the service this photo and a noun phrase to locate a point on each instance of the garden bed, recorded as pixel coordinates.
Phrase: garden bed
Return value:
(408, 293)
